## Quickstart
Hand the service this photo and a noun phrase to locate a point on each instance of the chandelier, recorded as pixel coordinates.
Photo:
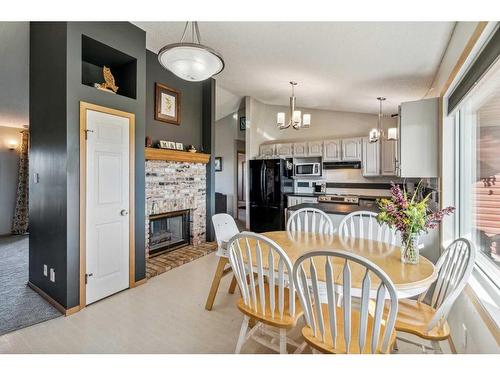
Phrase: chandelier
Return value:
(377, 133)
(191, 61)
(296, 119)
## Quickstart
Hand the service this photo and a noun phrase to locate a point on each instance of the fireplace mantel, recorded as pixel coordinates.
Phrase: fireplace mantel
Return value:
(174, 155)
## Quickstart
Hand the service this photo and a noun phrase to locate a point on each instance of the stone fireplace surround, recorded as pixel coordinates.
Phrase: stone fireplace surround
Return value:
(173, 186)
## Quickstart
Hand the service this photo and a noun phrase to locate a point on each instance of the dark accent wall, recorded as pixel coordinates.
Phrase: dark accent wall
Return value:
(189, 131)
(208, 140)
(55, 94)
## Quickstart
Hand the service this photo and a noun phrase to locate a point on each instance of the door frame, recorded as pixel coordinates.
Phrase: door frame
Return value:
(84, 106)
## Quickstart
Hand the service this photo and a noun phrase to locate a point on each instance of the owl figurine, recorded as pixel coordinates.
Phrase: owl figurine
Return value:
(109, 80)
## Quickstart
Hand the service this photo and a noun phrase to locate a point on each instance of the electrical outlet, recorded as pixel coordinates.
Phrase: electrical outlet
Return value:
(52, 275)
(464, 337)
(36, 178)
(45, 270)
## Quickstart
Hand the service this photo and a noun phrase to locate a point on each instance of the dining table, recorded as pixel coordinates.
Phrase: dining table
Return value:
(409, 279)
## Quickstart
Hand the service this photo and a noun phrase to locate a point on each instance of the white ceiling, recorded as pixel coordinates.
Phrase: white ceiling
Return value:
(338, 65)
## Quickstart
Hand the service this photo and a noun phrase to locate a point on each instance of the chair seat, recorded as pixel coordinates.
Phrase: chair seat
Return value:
(286, 322)
(414, 317)
(326, 346)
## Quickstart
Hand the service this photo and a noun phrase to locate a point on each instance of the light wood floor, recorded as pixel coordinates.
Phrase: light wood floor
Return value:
(165, 315)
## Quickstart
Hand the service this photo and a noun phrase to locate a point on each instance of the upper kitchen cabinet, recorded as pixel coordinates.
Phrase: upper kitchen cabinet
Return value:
(371, 158)
(267, 150)
(418, 138)
(388, 162)
(351, 149)
(300, 149)
(284, 150)
(315, 148)
(332, 150)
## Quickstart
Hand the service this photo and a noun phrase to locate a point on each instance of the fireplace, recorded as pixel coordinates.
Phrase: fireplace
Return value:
(168, 231)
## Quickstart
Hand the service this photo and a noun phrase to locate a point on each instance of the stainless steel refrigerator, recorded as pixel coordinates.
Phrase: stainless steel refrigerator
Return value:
(270, 181)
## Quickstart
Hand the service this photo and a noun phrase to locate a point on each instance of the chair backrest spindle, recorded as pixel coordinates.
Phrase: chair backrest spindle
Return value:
(310, 220)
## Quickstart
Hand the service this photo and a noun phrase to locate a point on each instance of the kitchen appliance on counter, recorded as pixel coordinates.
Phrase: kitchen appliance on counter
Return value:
(320, 187)
(270, 180)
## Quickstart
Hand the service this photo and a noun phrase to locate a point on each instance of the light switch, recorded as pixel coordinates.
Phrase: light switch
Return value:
(44, 270)
(36, 178)
(52, 275)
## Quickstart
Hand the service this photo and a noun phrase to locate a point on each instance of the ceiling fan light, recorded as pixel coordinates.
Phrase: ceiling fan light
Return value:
(191, 61)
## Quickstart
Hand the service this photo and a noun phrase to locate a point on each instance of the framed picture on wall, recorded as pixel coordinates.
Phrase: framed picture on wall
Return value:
(243, 123)
(179, 146)
(167, 104)
(218, 164)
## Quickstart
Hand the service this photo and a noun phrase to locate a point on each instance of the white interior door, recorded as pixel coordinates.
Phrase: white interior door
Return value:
(107, 203)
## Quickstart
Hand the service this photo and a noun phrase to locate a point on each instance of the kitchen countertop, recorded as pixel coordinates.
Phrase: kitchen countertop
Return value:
(368, 197)
(336, 208)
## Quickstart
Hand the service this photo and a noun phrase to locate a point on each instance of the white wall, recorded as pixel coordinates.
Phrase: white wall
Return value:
(9, 161)
(479, 337)
(226, 135)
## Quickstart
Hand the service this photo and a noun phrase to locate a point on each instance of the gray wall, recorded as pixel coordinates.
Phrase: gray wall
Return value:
(190, 129)
(14, 73)
(55, 93)
(9, 161)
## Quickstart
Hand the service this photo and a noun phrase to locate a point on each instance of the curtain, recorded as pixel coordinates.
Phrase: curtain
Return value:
(20, 222)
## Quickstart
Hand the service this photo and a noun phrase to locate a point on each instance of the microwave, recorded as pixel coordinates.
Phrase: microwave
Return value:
(307, 169)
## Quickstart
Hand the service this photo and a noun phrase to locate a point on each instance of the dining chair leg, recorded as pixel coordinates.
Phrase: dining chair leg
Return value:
(436, 347)
(219, 272)
(395, 347)
(232, 287)
(243, 334)
(283, 341)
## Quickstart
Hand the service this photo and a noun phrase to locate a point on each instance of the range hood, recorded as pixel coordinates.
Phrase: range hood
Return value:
(342, 165)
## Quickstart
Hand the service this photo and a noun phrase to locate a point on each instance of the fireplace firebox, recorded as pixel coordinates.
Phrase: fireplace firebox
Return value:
(168, 231)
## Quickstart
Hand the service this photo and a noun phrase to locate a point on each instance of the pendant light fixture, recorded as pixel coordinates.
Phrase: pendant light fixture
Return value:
(296, 119)
(377, 133)
(191, 61)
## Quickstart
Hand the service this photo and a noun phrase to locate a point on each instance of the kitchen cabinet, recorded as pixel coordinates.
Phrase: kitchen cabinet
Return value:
(388, 157)
(267, 150)
(371, 158)
(315, 148)
(293, 201)
(351, 149)
(299, 149)
(332, 150)
(284, 150)
(418, 137)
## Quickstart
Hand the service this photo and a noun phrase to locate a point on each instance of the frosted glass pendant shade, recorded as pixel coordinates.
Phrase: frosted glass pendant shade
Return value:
(306, 120)
(374, 135)
(281, 119)
(191, 61)
(392, 134)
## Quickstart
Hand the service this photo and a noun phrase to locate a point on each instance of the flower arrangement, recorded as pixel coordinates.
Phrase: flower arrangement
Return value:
(410, 217)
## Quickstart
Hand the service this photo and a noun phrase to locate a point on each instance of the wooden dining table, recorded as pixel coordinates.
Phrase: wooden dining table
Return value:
(409, 279)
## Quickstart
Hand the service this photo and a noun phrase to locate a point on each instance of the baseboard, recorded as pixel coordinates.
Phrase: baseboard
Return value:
(140, 282)
(53, 302)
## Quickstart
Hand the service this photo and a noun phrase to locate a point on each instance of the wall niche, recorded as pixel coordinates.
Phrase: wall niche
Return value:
(96, 55)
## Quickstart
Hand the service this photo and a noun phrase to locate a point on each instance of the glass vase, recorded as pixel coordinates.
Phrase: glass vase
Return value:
(409, 249)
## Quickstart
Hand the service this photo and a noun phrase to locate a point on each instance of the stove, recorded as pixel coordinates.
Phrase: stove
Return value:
(339, 198)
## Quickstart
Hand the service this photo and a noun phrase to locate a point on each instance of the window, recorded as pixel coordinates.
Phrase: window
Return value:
(478, 182)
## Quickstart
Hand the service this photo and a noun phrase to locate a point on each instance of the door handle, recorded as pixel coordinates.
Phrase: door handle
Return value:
(124, 212)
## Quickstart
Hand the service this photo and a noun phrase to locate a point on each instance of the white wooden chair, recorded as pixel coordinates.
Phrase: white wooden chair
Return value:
(225, 228)
(338, 328)
(262, 269)
(363, 224)
(310, 220)
(426, 317)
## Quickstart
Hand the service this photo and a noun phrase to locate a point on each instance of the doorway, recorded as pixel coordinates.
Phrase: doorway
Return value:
(106, 202)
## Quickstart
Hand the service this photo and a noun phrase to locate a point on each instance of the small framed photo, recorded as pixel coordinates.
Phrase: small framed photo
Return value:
(243, 123)
(218, 164)
(167, 104)
(179, 146)
(171, 145)
(163, 144)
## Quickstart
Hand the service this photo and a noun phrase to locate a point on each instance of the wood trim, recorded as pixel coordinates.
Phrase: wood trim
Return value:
(174, 155)
(485, 316)
(52, 301)
(84, 107)
(464, 55)
(141, 282)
